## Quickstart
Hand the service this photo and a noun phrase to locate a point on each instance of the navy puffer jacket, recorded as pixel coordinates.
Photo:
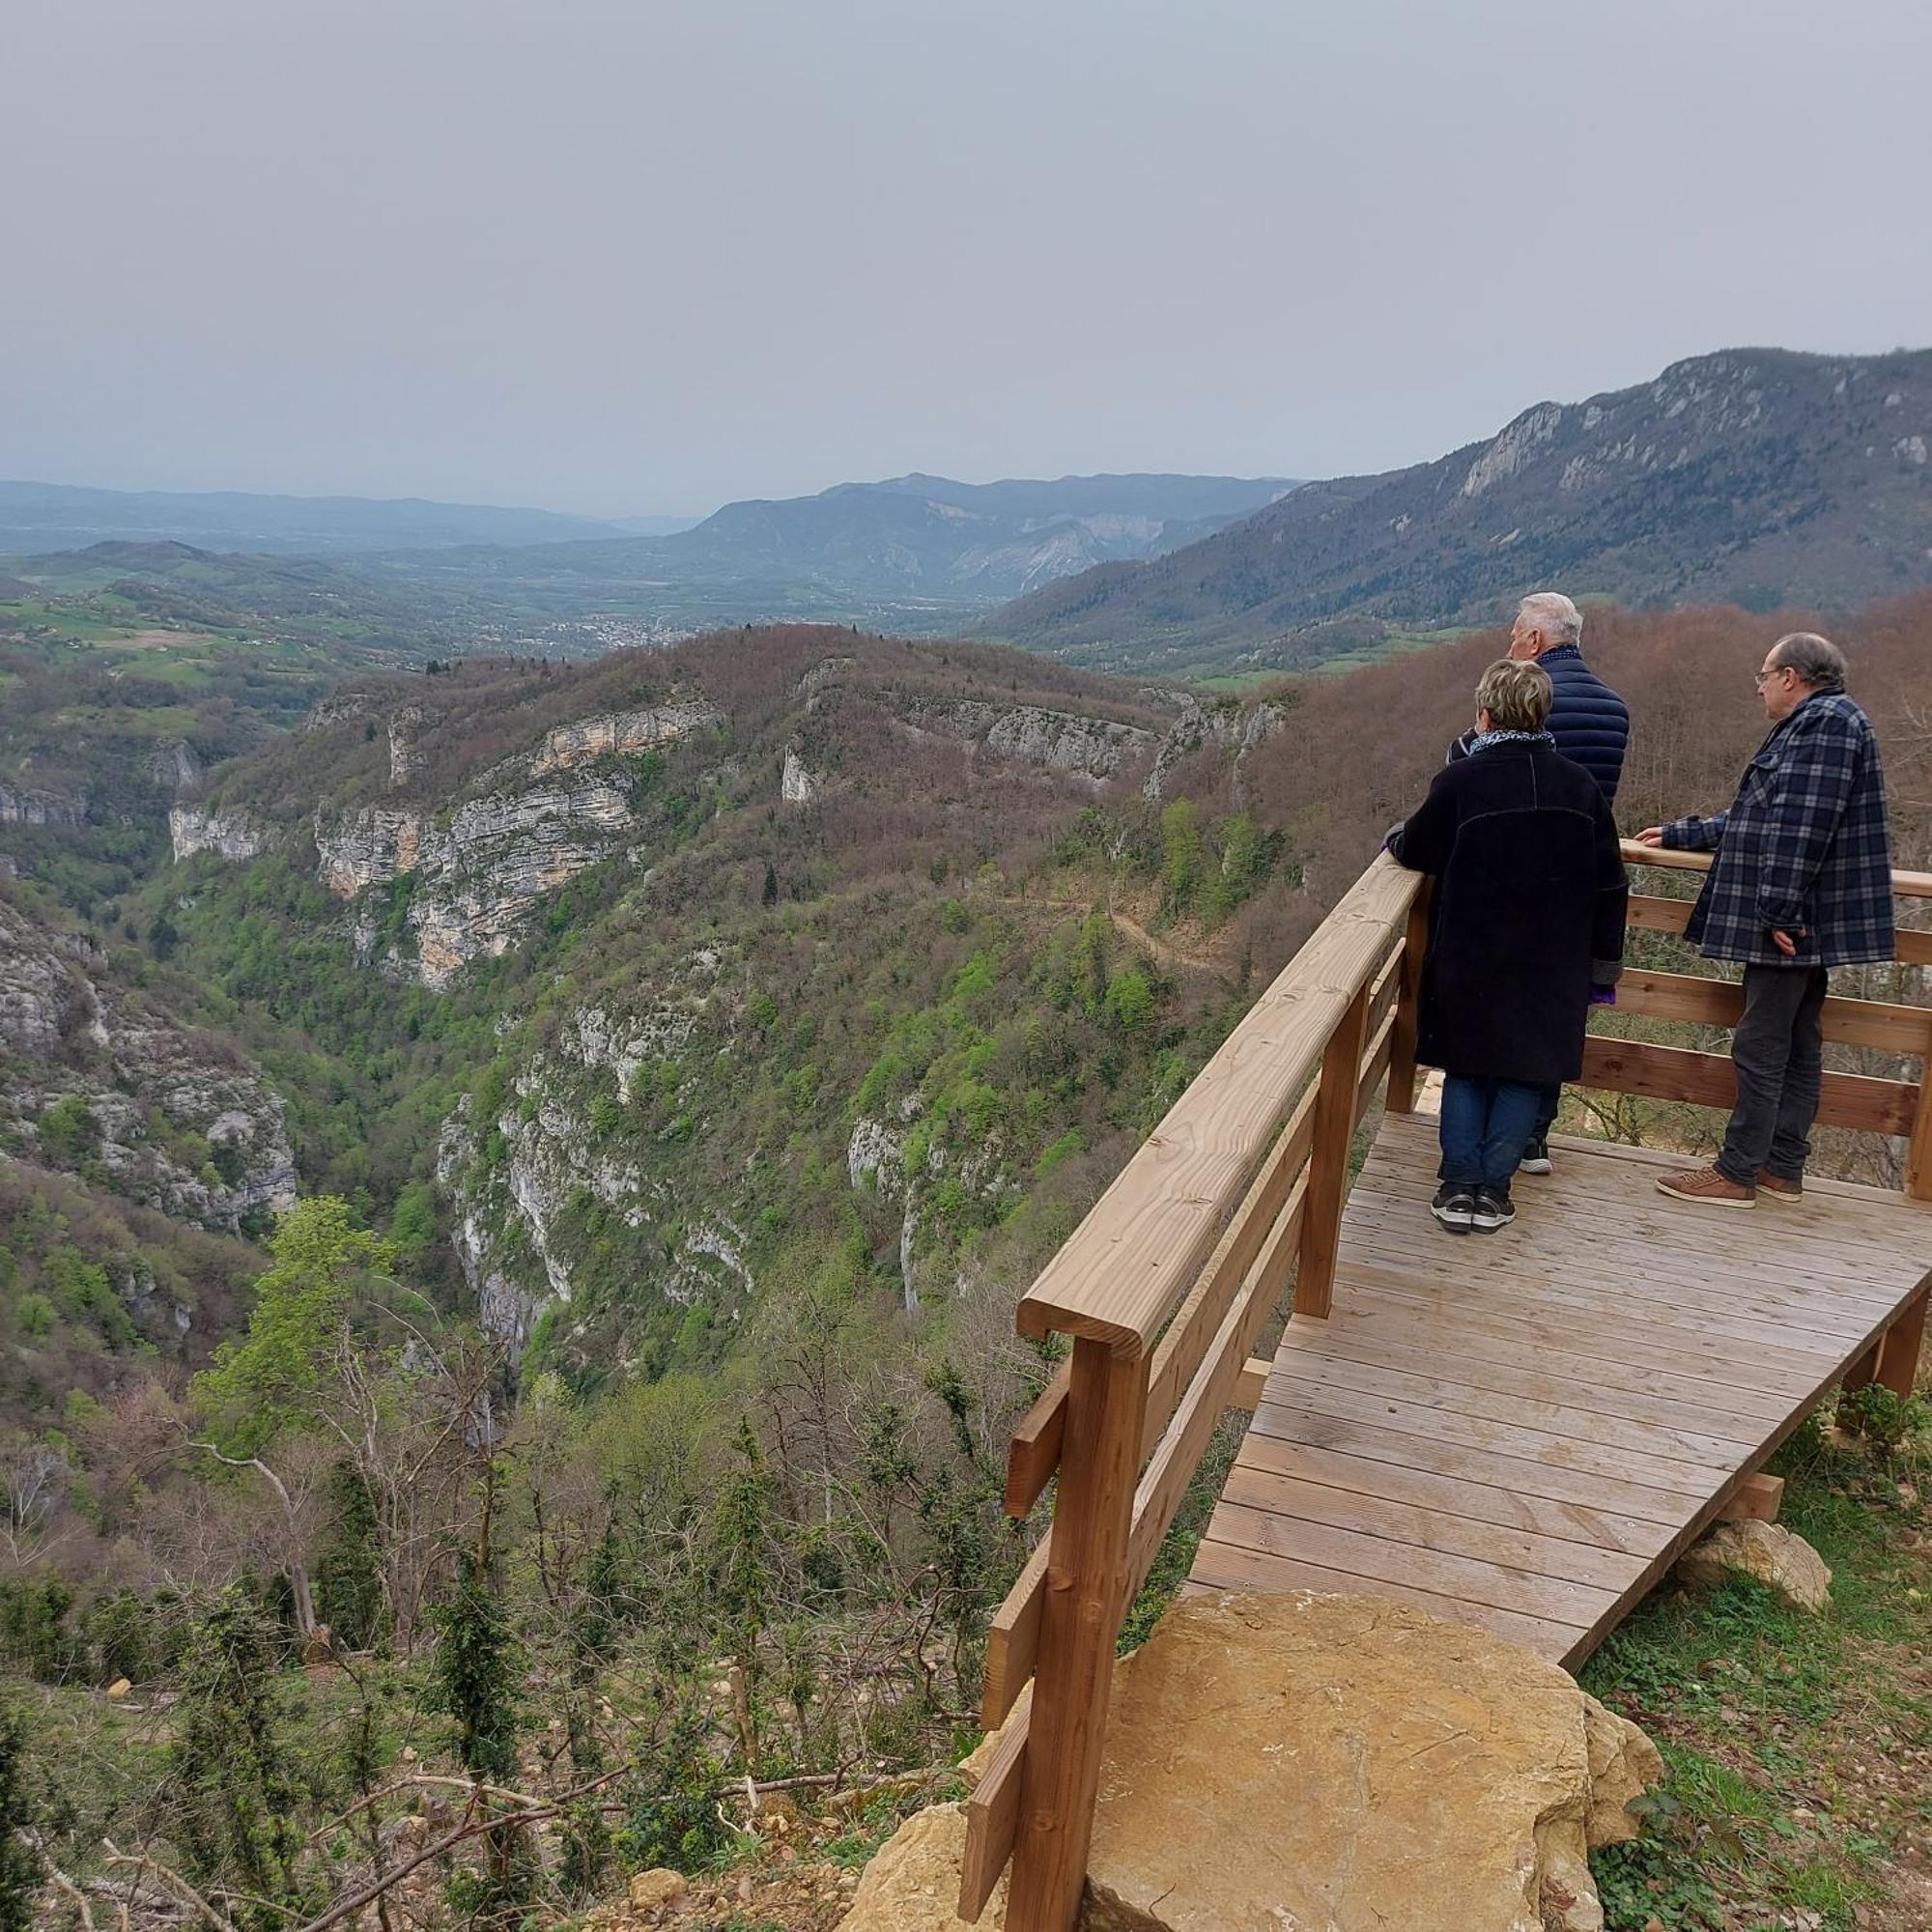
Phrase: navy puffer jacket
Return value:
(1589, 721)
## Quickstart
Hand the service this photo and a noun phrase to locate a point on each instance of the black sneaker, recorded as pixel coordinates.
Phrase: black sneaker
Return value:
(1535, 1157)
(1455, 1206)
(1492, 1209)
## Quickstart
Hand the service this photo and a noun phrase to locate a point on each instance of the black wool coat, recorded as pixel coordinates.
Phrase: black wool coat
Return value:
(1530, 898)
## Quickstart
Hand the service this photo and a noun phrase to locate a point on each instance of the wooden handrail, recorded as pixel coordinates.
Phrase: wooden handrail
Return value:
(1904, 885)
(1165, 1289)
(1134, 1256)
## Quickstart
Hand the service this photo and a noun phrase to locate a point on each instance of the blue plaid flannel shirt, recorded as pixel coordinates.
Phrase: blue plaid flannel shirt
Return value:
(1803, 848)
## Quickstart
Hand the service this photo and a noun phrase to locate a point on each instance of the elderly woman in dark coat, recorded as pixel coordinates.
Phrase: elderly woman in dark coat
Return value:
(1528, 927)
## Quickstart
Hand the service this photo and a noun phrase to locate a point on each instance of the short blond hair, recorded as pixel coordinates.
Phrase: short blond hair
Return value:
(1518, 697)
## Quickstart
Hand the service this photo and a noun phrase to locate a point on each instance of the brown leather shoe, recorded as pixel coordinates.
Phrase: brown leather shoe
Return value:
(1707, 1188)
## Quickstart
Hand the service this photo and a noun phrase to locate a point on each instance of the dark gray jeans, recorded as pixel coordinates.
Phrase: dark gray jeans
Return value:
(1780, 1053)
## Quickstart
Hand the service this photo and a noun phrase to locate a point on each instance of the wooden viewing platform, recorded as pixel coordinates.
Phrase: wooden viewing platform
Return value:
(1519, 1431)
(1524, 1431)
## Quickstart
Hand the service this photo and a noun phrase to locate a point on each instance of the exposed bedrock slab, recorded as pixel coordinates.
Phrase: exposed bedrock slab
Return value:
(1306, 1763)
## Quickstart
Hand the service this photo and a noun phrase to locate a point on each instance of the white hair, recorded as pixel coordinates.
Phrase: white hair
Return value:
(1553, 615)
(1816, 660)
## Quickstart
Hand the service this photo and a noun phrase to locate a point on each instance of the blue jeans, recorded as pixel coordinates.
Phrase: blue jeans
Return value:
(1486, 1124)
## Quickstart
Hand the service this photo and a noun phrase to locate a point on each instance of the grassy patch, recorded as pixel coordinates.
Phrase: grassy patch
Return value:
(1798, 1749)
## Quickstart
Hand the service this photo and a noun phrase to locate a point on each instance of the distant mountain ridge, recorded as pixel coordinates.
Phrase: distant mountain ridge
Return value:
(1759, 476)
(910, 550)
(43, 517)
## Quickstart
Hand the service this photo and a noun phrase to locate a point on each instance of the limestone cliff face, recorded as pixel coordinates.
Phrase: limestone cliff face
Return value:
(31, 805)
(232, 835)
(1065, 741)
(95, 1082)
(526, 1184)
(480, 867)
(481, 873)
(622, 733)
(1062, 741)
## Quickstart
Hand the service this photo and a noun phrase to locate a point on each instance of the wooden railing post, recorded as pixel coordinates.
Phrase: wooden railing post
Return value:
(1086, 1582)
(1328, 1159)
(1409, 1008)
(1919, 1148)
(1897, 1364)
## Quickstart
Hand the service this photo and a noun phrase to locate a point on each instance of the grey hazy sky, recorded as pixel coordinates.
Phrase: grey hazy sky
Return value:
(651, 256)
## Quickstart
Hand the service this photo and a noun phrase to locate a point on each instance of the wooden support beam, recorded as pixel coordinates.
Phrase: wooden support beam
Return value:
(1708, 1080)
(1864, 1370)
(1080, 1618)
(1682, 996)
(1250, 1383)
(1012, 1638)
(1034, 1454)
(1919, 1148)
(993, 1813)
(1897, 1366)
(1328, 1159)
(1409, 1008)
(1755, 1499)
(1653, 914)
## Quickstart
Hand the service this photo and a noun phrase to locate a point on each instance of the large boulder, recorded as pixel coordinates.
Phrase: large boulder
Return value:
(1777, 1559)
(912, 1884)
(1353, 1764)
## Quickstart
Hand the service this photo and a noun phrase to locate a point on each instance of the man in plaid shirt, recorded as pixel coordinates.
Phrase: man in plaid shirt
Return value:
(1801, 882)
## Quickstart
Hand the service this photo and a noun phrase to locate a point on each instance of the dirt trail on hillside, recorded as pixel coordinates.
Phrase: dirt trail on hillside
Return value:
(1164, 951)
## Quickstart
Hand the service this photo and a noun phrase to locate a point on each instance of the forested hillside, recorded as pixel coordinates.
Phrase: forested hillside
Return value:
(681, 1061)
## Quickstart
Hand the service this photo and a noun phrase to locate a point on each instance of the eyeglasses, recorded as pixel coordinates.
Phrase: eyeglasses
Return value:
(1778, 671)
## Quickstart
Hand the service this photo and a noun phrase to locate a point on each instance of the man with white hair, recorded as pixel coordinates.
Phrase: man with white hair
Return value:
(1800, 882)
(1591, 725)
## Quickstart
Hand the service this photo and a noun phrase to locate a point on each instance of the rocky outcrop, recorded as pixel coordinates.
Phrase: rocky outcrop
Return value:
(1353, 1764)
(367, 847)
(230, 835)
(1224, 726)
(99, 1085)
(619, 732)
(828, 672)
(31, 805)
(1768, 1552)
(405, 757)
(796, 785)
(479, 875)
(547, 1151)
(173, 766)
(1063, 742)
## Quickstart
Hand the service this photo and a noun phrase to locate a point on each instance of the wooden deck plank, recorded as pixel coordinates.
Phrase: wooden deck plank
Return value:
(1450, 1495)
(1423, 1528)
(1684, 1479)
(1523, 1432)
(1467, 1579)
(1677, 1314)
(1722, 1290)
(1769, 1366)
(1764, 1377)
(1504, 1358)
(1520, 1475)
(1228, 1566)
(1455, 1396)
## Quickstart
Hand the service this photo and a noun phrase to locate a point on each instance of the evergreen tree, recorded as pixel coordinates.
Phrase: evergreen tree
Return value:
(19, 1862)
(236, 1787)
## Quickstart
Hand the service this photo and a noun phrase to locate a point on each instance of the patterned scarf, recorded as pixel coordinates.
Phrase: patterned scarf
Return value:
(1481, 741)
